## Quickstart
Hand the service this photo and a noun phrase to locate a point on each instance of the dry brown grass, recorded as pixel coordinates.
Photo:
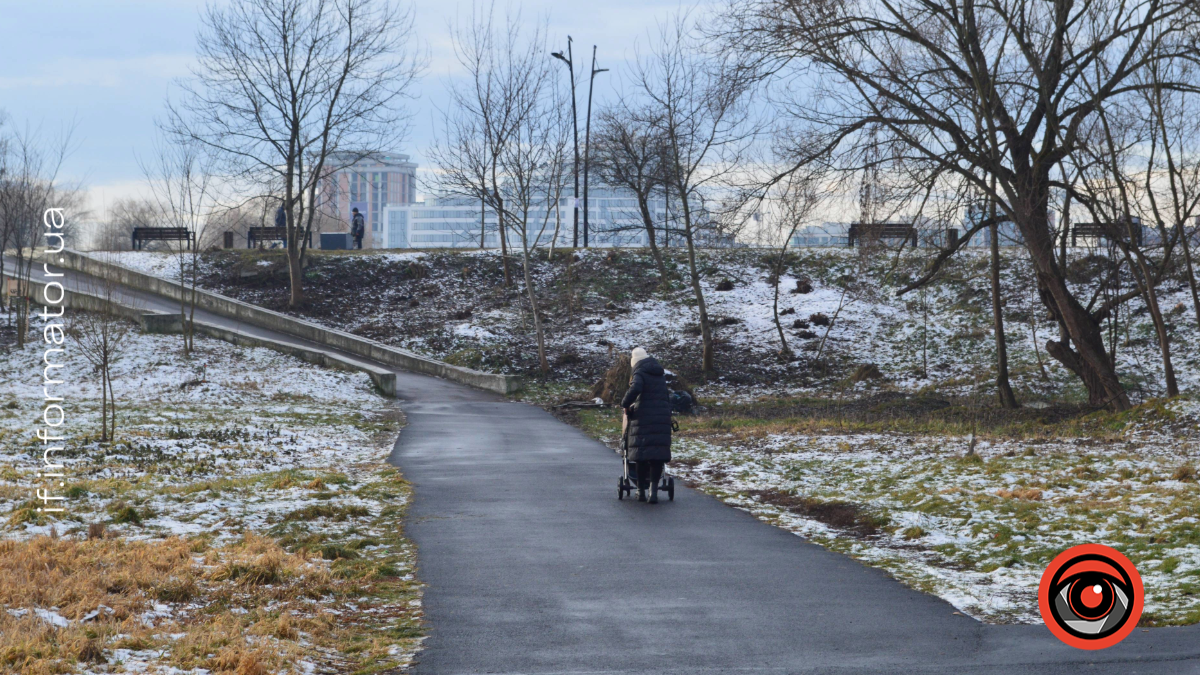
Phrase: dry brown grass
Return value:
(1185, 472)
(219, 644)
(78, 576)
(1030, 494)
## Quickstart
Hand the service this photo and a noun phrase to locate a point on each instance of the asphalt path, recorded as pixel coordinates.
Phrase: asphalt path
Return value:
(532, 565)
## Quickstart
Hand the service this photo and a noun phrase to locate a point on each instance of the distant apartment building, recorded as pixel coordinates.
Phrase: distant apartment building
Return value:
(370, 184)
(450, 221)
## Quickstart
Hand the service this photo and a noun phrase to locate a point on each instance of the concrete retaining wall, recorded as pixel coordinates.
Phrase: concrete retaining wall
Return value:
(84, 301)
(384, 379)
(265, 318)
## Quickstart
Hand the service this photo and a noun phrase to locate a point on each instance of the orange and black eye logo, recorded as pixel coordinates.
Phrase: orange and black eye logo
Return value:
(1090, 596)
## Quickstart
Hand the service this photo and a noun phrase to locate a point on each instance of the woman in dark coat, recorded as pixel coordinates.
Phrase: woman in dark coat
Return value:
(647, 407)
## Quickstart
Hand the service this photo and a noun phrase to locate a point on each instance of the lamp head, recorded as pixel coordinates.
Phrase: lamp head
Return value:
(559, 56)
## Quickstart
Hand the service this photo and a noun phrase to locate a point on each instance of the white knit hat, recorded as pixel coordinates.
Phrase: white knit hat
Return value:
(637, 355)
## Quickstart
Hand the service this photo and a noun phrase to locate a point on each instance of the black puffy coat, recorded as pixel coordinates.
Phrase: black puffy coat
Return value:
(649, 402)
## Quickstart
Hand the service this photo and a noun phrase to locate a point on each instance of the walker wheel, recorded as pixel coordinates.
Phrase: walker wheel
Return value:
(620, 488)
(671, 489)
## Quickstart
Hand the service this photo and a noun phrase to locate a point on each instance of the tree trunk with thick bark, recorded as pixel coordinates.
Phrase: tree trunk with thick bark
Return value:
(1085, 354)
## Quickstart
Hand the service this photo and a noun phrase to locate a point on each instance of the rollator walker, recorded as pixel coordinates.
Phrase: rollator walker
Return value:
(629, 479)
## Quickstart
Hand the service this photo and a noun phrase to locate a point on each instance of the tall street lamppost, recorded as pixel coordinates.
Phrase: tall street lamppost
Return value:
(587, 143)
(575, 125)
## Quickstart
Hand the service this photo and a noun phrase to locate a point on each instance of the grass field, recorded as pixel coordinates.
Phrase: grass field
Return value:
(244, 520)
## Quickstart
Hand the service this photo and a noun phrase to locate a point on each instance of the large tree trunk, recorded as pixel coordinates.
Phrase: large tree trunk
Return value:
(112, 411)
(1085, 355)
(184, 325)
(103, 402)
(1088, 359)
(1003, 387)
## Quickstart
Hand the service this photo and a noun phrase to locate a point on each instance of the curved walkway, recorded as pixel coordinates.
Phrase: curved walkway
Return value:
(534, 566)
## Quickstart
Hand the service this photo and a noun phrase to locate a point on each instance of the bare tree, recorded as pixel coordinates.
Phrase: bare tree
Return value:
(697, 104)
(629, 154)
(100, 335)
(798, 198)
(29, 186)
(1175, 121)
(507, 72)
(180, 178)
(5, 229)
(969, 91)
(115, 233)
(506, 139)
(287, 91)
(534, 165)
(1123, 165)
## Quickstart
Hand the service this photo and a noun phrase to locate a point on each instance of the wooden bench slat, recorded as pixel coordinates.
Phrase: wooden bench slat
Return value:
(144, 234)
(904, 231)
(261, 234)
(1098, 231)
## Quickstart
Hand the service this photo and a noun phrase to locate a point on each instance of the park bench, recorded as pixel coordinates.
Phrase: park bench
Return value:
(902, 231)
(259, 234)
(141, 235)
(1098, 231)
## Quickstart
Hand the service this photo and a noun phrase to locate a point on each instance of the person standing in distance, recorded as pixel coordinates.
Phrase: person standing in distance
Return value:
(358, 227)
(280, 221)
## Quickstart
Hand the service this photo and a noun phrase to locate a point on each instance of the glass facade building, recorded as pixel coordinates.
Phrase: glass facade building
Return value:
(448, 221)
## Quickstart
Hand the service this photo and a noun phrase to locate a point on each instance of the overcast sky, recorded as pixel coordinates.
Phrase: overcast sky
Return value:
(106, 65)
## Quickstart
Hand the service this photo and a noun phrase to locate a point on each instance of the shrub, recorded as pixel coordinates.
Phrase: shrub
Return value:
(1185, 472)
(123, 514)
(803, 285)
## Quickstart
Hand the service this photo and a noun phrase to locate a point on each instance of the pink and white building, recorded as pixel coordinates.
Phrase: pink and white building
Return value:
(370, 184)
